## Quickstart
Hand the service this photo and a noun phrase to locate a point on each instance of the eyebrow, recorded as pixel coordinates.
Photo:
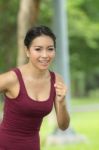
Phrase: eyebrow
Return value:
(42, 46)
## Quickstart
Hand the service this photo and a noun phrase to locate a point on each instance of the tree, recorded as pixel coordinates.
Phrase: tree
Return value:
(83, 24)
(8, 46)
(27, 16)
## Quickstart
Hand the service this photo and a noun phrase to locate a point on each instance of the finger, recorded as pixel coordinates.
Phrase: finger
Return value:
(58, 83)
(60, 92)
(61, 86)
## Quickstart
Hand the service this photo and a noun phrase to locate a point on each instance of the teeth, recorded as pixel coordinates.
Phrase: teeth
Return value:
(44, 61)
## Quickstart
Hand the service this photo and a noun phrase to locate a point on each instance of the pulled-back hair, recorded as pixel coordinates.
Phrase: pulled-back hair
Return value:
(36, 32)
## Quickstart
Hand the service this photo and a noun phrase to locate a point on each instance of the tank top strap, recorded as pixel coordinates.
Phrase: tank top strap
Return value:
(53, 80)
(21, 82)
(52, 77)
(19, 76)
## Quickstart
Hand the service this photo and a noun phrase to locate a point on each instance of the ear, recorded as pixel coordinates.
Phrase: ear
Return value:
(27, 52)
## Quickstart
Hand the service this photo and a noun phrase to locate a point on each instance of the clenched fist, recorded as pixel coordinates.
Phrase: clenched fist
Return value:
(61, 91)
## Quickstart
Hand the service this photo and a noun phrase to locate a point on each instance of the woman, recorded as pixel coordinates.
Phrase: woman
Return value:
(30, 92)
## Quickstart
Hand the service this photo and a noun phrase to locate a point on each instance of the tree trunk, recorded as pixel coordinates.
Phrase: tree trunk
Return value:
(27, 16)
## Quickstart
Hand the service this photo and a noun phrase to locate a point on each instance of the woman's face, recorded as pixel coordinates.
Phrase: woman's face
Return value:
(41, 52)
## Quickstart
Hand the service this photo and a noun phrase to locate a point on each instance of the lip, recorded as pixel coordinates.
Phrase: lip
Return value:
(44, 63)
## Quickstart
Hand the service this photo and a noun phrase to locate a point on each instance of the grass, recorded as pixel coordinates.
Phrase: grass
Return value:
(84, 101)
(84, 123)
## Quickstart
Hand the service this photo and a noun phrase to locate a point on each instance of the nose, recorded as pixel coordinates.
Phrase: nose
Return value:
(44, 53)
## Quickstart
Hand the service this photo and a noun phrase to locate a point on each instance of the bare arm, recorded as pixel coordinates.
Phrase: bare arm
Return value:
(62, 114)
(6, 80)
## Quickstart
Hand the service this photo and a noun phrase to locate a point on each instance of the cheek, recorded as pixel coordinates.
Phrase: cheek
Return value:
(52, 55)
(34, 54)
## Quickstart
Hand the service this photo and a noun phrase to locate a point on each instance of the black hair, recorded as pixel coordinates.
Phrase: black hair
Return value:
(38, 31)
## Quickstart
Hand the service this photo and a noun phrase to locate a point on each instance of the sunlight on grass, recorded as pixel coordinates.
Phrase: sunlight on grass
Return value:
(84, 123)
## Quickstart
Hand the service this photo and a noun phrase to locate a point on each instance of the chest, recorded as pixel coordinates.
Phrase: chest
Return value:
(38, 90)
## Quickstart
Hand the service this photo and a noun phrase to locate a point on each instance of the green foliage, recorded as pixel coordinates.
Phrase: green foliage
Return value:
(83, 28)
(83, 25)
(83, 34)
(46, 12)
(8, 38)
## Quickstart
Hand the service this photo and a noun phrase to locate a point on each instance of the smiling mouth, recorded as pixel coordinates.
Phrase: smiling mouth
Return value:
(44, 62)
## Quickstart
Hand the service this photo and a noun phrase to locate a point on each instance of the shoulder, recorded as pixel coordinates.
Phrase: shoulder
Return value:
(8, 76)
(7, 79)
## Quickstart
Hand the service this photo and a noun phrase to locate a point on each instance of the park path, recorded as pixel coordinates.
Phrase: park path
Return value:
(85, 108)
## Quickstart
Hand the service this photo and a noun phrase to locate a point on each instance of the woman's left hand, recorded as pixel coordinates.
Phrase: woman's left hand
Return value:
(61, 91)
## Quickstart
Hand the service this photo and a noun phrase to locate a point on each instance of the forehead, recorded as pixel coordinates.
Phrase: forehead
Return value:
(43, 39)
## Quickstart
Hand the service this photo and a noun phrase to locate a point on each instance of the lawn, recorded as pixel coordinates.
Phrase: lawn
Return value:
(84, 123)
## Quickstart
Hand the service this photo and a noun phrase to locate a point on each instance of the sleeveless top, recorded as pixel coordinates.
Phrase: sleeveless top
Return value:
(23, 117)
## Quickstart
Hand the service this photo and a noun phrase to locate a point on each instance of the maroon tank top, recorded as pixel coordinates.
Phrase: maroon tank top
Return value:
(23, 117)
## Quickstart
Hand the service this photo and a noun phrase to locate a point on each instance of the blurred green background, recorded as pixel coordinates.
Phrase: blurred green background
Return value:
(83, 31)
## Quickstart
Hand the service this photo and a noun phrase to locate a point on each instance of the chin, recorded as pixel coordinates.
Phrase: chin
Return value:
(44, 68)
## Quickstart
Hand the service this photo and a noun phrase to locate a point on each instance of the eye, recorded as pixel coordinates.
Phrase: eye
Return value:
(51, 49)
(37, 49)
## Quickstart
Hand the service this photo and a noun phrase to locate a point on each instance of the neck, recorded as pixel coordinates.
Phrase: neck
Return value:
(36, 73)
